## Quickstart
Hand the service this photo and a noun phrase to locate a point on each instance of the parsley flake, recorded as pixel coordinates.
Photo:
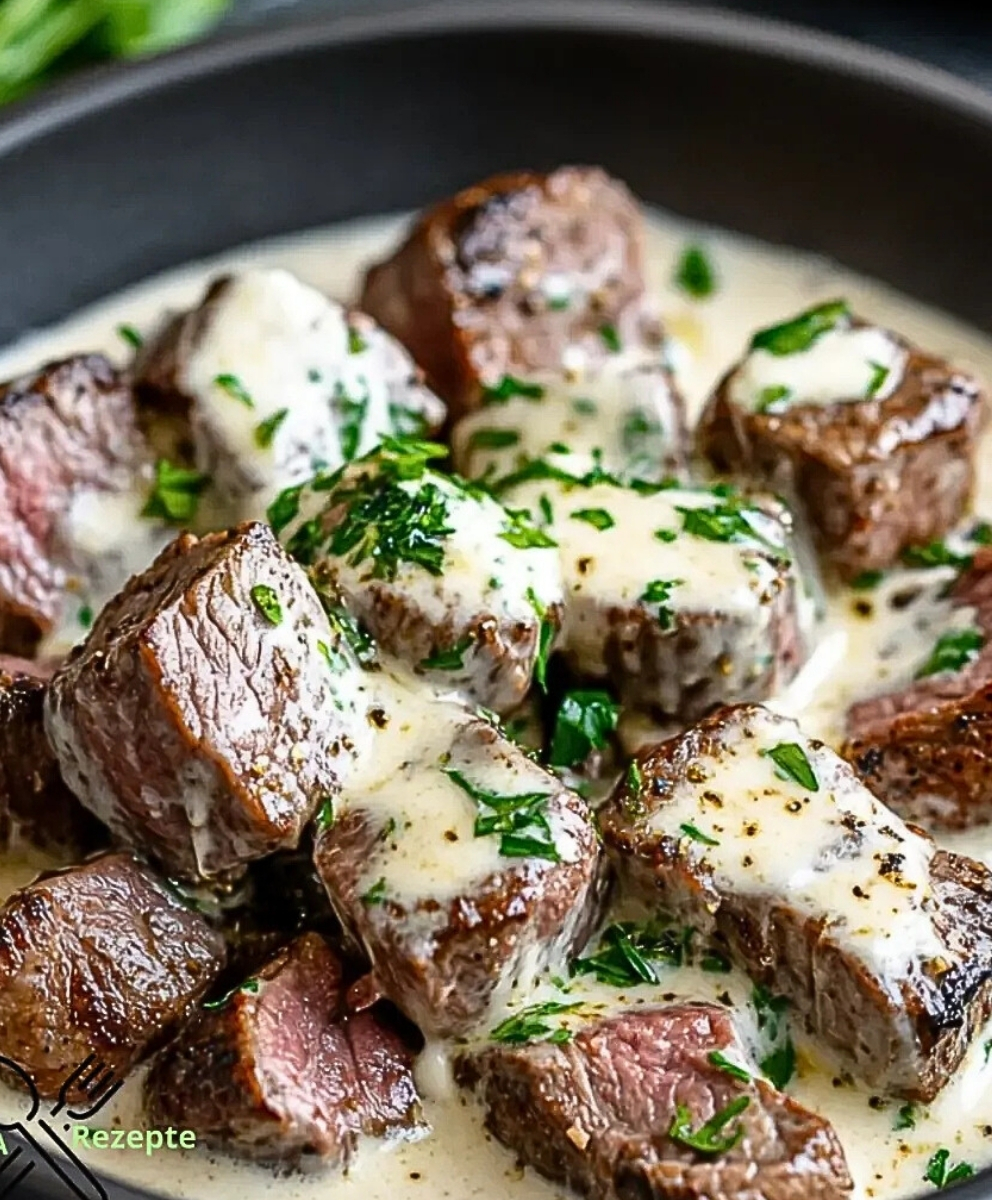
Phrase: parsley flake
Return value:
(694, 273)
(953, 651)
(935, 554)
(723, 1063)
(696, 835)
(798, 334)
(451, 659)
(356, 343)
(658, 592)
(175, 495)
(267, 602)
(522, 534)
(598, 518)
(583, 724)
(376, 894)
(879, 374)
(866, 581)
(770, 397)
(940, 1176)
(906, 1117)
(493, 439)
(233, 386)
(545, 638)
(325, 815)
(529, 1025)
(265, 431)
(520, 821)
(707, 1138)
(510, 386)
(792, 763)
(779, 1066)
(611, 339)
(130, 335)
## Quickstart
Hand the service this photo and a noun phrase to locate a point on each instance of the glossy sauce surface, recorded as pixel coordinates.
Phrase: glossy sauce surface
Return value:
(867, 642)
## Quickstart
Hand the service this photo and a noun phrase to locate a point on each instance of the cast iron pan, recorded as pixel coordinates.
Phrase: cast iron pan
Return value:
(790, 136)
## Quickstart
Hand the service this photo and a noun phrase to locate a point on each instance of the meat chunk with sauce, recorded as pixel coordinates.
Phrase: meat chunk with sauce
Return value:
(100, 959)
(34, 799)
(441, 574)
(275, 382)
(522, 274)
(628, 421)
(458, 865)
(879, 940)
(278, 1071)
(211, 708)
(926, 749)
(606, 1112)
(683, 598)
(872, 436)
(74, 476)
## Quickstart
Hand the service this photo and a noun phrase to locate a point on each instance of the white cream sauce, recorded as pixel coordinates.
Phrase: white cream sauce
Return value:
(859, 652)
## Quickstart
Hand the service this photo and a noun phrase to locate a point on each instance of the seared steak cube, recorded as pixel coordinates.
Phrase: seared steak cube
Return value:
(277, 1071)
(603, 1113)
(440, 573)
(99, 959)
(683, 598)
(277, 381)
(629, 421)
(754, 834)
(520, 274)
(74, 473)
(926, 748)
(459, 865)
(874, 437)
(33, 795)
(212, 706)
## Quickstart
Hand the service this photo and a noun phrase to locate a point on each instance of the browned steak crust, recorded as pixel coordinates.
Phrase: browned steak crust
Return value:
(468, 293)
(99, 959)
(278, 1071)
(596, 1113)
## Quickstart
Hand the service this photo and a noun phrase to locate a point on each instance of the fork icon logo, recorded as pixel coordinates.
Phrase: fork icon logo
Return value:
(83, 1093)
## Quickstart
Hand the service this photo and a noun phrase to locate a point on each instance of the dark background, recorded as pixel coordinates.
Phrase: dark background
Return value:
(952, 34)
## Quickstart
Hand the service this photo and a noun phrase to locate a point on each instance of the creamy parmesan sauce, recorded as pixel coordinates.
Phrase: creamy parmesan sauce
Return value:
(869, 641)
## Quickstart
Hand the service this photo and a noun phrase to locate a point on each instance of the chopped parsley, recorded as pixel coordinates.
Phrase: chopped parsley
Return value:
(987, 1047)
(611, 339)
(866, 581)
(879, 374)
(658, 592)
(981, 533)
(519, 821)
(940, 1176)
(724, 522)
(376, 893)
(779, 1065)
(249, 987)
(768, 397)
(708, 1139)
(284, 508)
(352, 414)
(523, 534)
(791, 763)
(696, 835)
(406, 422)
(130, 335)
(769, 1009)
(598, 518)
(333, 657)
(626, 952)
(265, 431)
(798, 334)
(715, 963)
(906, 1117)
(723, 1063)
(584, 722)
(349, 631)
(953, 651)
(233, 386)
(175, 496)
(529, 1025)
(356, 343)
(665, 535)
(694, 273)
(325, 815)
(493, 439)
(545, 638)
(934, 554)
(584, 406)
(451, 659)
(85, 616)
(510, 386)
(267, 603)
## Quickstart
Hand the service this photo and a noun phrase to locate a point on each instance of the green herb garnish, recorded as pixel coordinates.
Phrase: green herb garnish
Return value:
(726, 522)
(768, 397)
(722, 1063)
(520, 821)
(867, 581)
(376, 893)
(611, 339)
(780, 1065)
(769, 1009)
(696, 835)
(694, 273)
(493, 439)
(265, 431)
(85, 616)
(523, 534)
(879, 374)
(598, 518)
(935, 554)
(233, 386)
(545, 638)
(938, 1174)
(356, 343)
(130, 335)
(249, 987)
(325, 815)
(792, 337)
(906, 1117)
(981, 533)
(284, 508)
(953, 651)
(352, 413)
(791, 763)
(584, 723)
(665, 535)
(528, 1025)
(658, 592)
(175, 496)
(510, 386)
(707, 1138)
(267, 602)
(451, 659)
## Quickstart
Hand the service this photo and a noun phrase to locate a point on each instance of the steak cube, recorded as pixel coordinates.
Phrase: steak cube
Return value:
(74, 469)
(683, 598)
(211, 708)
(603, 1111)
(98, 959)
(277, 1070)
(521, 274)
(440, 574)
(757, 836)
(926, 748)
(458, 864)
(628, 421)
(872, 436)
(276, 382)
(33, 795)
